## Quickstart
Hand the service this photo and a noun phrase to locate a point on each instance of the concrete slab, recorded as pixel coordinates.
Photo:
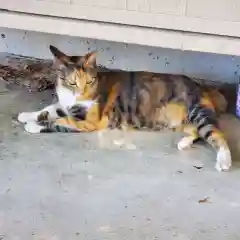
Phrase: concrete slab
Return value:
(68, 187)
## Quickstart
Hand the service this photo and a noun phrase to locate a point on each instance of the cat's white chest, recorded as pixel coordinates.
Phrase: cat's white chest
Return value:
(66, 97)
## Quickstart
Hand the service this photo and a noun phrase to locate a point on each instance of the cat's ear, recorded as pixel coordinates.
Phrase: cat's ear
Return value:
(90, 59)
(60, 57)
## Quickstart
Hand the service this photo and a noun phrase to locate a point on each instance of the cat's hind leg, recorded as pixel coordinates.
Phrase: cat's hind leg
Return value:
(186, 142)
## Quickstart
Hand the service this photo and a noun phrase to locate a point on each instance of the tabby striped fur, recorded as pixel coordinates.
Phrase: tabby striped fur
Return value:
(92, 99)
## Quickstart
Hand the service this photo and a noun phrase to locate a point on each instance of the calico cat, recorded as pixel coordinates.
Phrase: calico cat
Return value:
(91, 99)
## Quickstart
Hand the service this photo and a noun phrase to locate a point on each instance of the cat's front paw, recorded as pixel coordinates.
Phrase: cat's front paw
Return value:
(78, 112)
(25, 117)
(33, 127)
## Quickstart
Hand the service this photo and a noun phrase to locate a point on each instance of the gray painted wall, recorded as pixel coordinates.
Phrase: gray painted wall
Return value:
(129, 57)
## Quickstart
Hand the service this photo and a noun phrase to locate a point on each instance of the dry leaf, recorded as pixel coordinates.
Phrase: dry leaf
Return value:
(204, 200)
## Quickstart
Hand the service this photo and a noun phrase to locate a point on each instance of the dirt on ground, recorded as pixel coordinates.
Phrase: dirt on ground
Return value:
(31, 73)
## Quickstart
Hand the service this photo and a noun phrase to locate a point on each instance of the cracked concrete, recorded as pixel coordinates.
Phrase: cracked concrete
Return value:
(67, 187)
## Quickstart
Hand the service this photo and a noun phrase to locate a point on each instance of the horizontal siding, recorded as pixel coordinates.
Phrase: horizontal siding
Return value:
(219, 17)
(122, 33)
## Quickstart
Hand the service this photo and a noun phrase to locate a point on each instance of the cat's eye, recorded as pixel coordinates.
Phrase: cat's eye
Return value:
(92, 80)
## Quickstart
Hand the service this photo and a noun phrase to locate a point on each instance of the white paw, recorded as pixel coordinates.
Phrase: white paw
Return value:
(185, 142)
(33, 127)
(27, 116)
(224, 160)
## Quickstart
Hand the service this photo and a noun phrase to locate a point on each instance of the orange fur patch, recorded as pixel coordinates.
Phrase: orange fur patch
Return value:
(206, 101)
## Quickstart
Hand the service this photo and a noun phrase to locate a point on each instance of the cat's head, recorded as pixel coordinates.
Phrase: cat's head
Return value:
(77, 73)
